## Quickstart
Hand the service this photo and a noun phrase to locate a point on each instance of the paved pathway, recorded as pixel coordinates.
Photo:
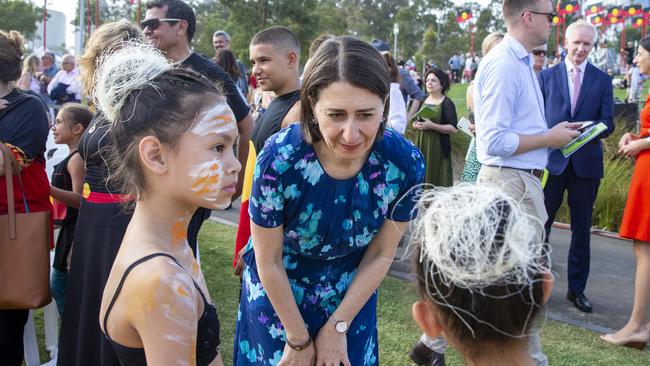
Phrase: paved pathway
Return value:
(610, 285)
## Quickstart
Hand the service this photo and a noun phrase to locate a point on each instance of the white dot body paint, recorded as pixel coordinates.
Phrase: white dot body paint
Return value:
(218, 119)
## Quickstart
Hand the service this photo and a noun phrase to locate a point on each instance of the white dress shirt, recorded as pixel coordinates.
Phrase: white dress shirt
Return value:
(71, 78)
(569, 74)
(508, 103)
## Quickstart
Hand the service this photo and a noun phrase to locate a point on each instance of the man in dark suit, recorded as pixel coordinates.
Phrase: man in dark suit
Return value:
(576, 91)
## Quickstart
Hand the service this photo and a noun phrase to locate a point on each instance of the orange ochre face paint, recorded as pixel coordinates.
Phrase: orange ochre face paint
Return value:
(206, 177)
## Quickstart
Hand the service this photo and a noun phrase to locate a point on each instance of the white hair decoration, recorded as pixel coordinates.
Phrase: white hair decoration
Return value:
(474, 237)
(131, 67)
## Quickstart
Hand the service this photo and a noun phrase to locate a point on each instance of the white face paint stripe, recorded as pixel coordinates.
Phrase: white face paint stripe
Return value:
(207, 179)
(218, 119)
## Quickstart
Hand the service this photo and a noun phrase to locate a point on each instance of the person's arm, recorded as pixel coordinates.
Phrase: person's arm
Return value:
(164, 309)
(71, 198)
(331, 345)
(268, 254)
(293, 116)
(396, 111)
(498, 99)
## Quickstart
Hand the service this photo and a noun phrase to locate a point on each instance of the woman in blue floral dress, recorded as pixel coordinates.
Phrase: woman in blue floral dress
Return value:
(331, 199)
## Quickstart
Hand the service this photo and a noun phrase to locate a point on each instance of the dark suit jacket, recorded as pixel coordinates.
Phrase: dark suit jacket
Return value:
(595, 103)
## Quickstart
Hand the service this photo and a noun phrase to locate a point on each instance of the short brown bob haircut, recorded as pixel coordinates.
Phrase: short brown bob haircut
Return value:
(347, 59)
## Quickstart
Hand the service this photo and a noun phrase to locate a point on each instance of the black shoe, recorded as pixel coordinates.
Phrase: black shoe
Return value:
(425, 356)
(580, 301)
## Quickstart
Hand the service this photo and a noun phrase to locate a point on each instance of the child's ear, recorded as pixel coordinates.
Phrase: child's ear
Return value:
(152, 155)
(426, 318)
(293, 59)
(78, 129)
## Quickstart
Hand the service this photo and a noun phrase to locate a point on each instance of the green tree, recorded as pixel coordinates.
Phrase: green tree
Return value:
(21, 16)
(243, 18)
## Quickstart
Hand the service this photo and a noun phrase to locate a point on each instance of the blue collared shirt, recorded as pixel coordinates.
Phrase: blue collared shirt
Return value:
(508, 103)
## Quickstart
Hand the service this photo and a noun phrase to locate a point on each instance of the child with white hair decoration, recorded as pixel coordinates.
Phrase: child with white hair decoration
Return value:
(481, 272)
(173, 136)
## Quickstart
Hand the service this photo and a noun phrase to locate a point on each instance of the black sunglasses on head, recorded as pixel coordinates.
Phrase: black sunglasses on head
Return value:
(154, 23)
(539, 52)
(549, 16)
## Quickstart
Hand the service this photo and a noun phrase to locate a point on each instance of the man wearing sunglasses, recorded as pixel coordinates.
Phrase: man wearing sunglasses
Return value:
(512, 137)
(539, 56)
(170, 26)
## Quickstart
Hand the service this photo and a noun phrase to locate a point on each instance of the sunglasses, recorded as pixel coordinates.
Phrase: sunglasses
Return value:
(539, 52)
(549, 16)
(154, 23)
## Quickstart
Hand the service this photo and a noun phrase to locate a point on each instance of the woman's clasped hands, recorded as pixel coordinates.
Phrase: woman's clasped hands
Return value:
(330, 348)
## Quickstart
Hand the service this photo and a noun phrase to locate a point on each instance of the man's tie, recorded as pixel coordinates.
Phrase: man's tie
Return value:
(576, 88)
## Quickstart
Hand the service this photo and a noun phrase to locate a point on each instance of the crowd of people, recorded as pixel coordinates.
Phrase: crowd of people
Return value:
(334, 164)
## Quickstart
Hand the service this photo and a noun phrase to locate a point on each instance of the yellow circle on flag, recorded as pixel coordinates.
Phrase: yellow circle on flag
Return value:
(631, 11)
(569, 7)
(639, 21)
(615, 12)
(556, 19)
(597, 19)
(594, 9)
(614, 20)
(464, 15)
(86, 190)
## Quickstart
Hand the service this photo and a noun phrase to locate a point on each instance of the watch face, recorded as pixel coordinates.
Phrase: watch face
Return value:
(342, 327)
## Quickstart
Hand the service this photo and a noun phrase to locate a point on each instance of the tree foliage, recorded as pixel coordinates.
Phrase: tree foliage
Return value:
(20, 16)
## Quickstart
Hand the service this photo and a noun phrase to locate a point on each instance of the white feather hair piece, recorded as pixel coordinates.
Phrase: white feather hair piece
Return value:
(131, 67)
(457, 227)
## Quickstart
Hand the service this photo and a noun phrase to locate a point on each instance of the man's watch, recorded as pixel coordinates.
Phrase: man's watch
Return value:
(341, 326)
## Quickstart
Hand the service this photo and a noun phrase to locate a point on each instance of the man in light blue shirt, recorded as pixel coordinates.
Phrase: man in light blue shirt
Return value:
(512, 137)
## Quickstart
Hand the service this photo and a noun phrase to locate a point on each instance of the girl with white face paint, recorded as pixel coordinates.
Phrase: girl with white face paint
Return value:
(173, 137)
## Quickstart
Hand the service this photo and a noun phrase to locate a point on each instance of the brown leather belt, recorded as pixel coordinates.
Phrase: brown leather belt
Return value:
(537, 173)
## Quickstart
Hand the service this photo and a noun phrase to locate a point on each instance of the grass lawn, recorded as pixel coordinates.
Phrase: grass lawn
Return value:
(563, 344)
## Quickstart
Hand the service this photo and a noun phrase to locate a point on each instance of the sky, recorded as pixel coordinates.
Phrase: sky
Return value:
(68, 7)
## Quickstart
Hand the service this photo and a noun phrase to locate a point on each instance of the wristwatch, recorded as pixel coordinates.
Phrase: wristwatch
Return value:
(341, 326)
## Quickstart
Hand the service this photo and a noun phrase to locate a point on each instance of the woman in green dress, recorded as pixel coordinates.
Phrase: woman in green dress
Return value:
(431, 128)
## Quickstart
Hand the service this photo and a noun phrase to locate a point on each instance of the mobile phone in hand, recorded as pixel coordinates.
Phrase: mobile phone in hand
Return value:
(586, 125)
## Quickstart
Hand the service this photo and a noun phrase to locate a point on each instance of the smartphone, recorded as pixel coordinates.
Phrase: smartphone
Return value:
(586, 125)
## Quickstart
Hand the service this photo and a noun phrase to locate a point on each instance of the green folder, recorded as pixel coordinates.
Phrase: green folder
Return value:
(586, 136)
(425, 112)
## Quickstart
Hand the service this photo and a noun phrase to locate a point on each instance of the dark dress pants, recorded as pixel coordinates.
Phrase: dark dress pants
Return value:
(12, 327)
(581, 196)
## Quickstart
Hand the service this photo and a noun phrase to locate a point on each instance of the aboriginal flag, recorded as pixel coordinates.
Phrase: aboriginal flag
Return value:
(569, 7)
(244, 227)
(463, 15)
(558, 20)
(597, 19)
(614, 12)
(637, 22)
(594, 9)
(632, 11)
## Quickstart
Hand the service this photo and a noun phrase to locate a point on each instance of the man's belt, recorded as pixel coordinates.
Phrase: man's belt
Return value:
(537, 173)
